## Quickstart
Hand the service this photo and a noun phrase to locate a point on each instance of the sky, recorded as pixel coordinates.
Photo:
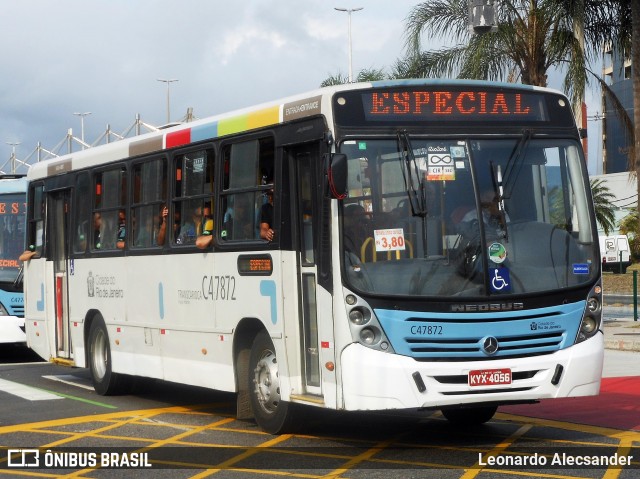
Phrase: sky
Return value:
(105, 57)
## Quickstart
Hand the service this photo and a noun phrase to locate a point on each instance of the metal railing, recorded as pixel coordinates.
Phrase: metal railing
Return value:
(66, 145)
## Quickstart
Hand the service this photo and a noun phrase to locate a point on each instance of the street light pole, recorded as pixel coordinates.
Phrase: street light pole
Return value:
(168, 82)
(349, 11)
(13, 155)
(82, 115)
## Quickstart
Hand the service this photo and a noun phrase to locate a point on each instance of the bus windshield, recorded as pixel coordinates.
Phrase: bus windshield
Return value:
(467, 217)
(12, 221)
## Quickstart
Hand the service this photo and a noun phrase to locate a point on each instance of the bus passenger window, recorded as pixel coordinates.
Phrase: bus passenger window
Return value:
(149, 204)
(247, 184)
(193, 198)
(109, 214)
(82, 213)
(35, 230)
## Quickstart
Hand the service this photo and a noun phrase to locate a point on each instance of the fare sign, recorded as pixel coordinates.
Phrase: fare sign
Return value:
(389, 239)
(489, 377)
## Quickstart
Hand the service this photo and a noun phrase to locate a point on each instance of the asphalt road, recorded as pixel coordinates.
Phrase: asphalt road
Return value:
(192, 432)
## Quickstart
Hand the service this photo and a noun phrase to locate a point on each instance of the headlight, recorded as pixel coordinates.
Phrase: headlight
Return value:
(364, 325)
(3, 311)
(358, 317)
(589, 325)
(592, 316)
(368, 336)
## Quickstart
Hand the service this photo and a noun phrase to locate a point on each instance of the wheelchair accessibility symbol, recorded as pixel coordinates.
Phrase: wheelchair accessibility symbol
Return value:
(500, 280)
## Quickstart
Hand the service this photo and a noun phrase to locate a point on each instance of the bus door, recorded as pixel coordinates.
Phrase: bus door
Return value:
(305, 211)
(58, 217)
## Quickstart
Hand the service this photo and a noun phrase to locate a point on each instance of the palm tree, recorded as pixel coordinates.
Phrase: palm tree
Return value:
(533, 37)
(629, 226)
(605, 212)
(366, 74)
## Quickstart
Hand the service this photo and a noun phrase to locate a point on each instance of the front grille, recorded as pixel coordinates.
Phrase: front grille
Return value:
(465, 348)
(461, 336)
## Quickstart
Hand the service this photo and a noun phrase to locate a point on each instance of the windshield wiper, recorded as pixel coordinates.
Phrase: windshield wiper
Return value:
(514, 165)
(498, 189)
(414, 185)
(18, 281)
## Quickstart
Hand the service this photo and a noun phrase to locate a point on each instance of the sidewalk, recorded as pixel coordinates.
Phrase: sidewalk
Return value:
(621, 333)
(620, 330)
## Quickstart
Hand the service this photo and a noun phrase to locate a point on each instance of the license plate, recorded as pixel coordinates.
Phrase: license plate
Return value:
(489, 377)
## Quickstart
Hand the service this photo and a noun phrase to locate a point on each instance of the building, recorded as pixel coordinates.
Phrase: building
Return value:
(617, 74)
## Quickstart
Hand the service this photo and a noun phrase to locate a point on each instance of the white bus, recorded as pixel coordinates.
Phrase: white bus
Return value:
(380, 290)
(13, 207)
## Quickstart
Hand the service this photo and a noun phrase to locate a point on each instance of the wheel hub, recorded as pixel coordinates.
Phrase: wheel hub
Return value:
(267, 383)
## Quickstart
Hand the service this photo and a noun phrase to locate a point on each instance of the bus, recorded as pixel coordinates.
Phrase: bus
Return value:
(378, 290)
(13, 207)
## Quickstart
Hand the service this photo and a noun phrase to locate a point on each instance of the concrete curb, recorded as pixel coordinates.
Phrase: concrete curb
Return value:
(622, 335)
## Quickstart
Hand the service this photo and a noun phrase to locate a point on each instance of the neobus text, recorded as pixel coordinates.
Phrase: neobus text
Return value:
(219, 287)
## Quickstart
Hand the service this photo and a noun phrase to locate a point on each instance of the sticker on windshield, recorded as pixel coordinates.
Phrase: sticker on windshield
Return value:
(440, 166)
(580, 268)
(497, 253)
(389, 240)
(500, 280)
(458, 152)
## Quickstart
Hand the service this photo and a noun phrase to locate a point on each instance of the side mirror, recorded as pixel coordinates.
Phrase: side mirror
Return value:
(337, 175)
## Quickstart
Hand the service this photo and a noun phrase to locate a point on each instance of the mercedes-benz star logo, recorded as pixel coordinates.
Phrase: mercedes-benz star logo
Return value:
(490, 345)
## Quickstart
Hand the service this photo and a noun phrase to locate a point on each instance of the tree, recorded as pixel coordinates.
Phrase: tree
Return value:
(605, 212)
(364, 75)
(629, 225)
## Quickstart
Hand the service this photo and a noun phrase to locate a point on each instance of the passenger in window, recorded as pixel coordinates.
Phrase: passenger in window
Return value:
(356, 228)
(194, 228)
(266, 218)
(205, 239)
(97, 229)
(162, 228)
(27, 255)
(122, 230)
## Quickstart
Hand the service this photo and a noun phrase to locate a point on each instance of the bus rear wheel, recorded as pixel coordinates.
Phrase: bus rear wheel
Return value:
(470, 415)
(105, 381)
(271, 413)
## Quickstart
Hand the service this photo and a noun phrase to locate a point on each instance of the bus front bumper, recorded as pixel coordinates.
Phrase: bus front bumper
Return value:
(374, 380)
(12, 330)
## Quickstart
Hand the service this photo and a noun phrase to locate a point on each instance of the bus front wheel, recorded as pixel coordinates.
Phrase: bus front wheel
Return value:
(272, 414)
(105, 381)
(470, 415)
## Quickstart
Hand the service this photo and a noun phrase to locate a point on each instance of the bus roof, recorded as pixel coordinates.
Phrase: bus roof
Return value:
(287, 109)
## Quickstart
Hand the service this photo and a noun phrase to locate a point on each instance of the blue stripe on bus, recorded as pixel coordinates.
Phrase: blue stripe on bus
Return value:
(161, 300)
(461, 335)
(204, 132)
(268, 288)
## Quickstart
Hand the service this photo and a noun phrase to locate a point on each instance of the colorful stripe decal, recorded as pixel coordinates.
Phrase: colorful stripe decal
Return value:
(204, 132)
(145, 146)
(177, 138)
(226, 126)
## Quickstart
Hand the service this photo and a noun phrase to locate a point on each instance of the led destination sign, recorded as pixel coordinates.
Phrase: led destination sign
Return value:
(453, 105)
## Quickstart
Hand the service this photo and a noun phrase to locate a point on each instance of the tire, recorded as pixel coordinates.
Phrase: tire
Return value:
(105, 381)
(470, 415)
(271, 413)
